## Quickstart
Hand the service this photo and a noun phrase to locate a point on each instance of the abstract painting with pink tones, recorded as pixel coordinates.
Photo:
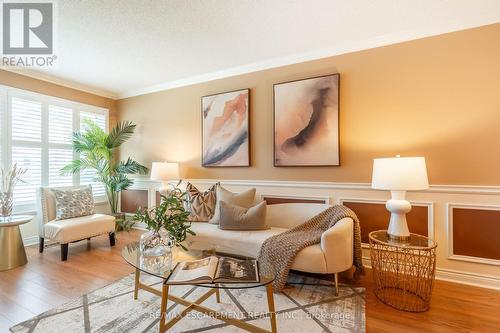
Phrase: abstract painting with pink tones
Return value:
(306, 122)
(225, 129)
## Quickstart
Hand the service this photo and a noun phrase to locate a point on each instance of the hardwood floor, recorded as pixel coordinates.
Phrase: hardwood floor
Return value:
(46, 282)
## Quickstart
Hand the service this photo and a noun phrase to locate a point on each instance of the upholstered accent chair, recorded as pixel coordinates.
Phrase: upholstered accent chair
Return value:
(65, 231)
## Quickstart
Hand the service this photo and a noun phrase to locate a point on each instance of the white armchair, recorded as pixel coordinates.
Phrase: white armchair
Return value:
(68, 230)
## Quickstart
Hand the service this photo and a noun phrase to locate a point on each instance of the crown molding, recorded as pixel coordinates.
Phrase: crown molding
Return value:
(365, 44)
(61, 82)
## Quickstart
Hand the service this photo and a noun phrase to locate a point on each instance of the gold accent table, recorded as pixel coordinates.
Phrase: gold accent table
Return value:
(12, 253)
(403, 271)
(162, 268)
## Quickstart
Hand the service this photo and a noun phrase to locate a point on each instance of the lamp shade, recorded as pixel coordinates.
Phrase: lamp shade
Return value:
(400, 174)
(164, 171)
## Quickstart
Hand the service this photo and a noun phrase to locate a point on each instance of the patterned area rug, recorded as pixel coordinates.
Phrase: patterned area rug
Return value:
(307, 305)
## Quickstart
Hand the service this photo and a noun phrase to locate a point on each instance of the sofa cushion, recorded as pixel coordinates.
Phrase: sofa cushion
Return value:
(69, 230)
(73, 202)
(289, 215)
(234, 217)
(246, 242)
(201, 205)
(244, 199)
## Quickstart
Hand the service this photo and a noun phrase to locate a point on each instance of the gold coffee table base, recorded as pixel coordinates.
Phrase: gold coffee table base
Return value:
(11, 248)
(197, 306)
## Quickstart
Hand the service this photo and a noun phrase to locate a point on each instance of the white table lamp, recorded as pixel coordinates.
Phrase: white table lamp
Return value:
(164, 172)
(398, 175)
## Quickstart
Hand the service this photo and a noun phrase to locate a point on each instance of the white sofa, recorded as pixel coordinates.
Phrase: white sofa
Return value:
(332, 255)
(68, 230)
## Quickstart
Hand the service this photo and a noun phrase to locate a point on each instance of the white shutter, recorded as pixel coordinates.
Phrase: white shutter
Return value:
(60, 151)
(88, 176)
(3, 140)
(97, 118)
(59, 158)
(26, 147)
(60, 124)
(28, 158)
(26, 120)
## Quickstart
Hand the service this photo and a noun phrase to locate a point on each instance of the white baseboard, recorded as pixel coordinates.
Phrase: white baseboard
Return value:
(460, 277)
(471, 279)
(32, 240)
(139, 226)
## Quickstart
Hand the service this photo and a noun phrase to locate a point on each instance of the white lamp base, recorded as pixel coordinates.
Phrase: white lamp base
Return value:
(398, 206)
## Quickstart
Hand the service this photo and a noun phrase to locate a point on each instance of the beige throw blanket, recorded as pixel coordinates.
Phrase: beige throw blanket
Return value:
(279, 251)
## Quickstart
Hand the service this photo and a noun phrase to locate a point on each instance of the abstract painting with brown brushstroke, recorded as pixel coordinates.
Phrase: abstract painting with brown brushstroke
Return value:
(306, 122)
(225, 129)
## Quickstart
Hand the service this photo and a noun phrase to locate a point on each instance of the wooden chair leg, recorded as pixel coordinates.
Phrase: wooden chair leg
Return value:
(40, 244)
(111, 239)
(336, 281)
(64, 252)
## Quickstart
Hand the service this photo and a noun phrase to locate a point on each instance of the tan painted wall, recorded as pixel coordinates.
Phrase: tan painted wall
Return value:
(43, 87)
(438, 97)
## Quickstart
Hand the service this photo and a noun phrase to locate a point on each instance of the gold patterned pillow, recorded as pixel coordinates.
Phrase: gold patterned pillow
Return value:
(72, 203)
(201, 205)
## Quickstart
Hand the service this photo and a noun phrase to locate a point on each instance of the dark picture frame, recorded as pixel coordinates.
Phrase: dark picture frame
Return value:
(304, 112)
(225, 124)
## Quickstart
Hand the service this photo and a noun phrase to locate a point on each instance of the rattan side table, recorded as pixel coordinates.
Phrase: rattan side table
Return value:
(403, 271)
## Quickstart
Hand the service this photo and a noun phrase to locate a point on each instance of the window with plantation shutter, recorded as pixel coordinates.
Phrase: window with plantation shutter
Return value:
(36, 133)
(26, 120)
(58, 158)
(60, 150)
(29, 158)
(60, 125)
(26, 140)
(3, 136)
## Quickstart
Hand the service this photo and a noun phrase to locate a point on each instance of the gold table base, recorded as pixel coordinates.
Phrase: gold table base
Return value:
(197, 306)
(403, 272)
(12, 253)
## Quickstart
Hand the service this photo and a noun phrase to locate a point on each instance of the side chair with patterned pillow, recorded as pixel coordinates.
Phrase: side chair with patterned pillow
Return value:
(66, 215)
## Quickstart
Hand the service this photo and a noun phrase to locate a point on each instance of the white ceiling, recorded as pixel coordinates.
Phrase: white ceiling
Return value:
(130, 47)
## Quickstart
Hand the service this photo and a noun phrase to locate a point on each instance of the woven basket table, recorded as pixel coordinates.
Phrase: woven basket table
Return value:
(403, 271)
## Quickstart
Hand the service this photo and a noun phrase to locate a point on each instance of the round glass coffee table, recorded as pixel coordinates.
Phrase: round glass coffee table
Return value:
(163, 267)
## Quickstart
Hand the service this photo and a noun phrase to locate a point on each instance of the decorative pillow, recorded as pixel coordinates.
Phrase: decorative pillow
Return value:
(234, 217)
(244, 199)
(201, 205)
(73, 203)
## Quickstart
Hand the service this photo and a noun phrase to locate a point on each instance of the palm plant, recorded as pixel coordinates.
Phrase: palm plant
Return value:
(97, 151)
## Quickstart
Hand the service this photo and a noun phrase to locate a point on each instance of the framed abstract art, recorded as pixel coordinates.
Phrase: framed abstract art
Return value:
(225, 124)
(306, 122)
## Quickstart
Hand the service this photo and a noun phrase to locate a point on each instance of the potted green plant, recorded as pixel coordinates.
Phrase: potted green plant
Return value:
(97, 151)
(167, 223)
